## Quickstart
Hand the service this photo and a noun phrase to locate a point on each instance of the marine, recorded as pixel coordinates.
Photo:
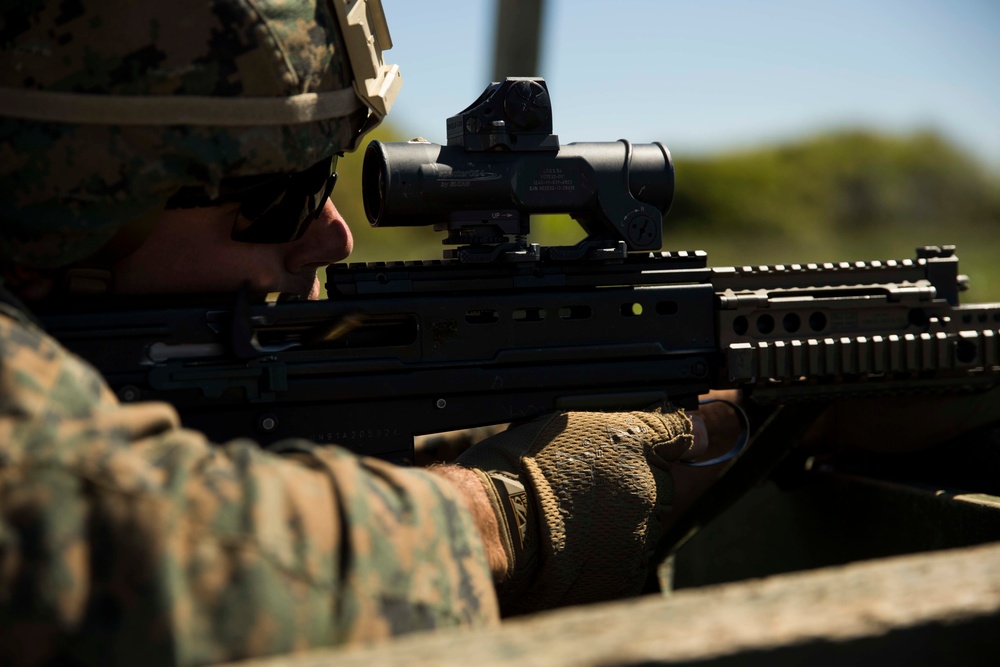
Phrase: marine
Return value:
(188, 147)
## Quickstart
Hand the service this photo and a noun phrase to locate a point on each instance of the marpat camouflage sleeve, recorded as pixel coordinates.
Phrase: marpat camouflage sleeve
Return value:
(127, 539)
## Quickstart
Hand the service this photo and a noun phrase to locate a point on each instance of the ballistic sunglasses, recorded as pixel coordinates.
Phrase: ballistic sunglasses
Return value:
(273, 208)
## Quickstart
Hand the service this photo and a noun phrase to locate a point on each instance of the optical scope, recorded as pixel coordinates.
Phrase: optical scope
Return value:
(502, 164)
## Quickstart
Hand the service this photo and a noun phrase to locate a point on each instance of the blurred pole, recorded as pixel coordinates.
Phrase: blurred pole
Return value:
(518, 38)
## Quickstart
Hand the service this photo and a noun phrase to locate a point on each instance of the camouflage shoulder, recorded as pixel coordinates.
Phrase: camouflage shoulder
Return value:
(120, 528)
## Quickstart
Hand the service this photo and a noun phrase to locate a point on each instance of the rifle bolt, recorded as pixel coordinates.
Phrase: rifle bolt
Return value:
(268, 423)
(441, 404)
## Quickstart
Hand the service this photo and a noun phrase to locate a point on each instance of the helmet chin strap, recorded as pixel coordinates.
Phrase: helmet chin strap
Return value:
(95, 275)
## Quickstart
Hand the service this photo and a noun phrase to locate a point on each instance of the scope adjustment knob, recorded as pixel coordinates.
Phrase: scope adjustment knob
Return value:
(640, 229)
(526, 104)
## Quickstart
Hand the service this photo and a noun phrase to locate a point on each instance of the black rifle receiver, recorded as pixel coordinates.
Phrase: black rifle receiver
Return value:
(502, 164)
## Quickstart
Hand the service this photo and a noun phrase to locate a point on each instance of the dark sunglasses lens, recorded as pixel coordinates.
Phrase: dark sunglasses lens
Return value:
(281, 210)
(190, 197)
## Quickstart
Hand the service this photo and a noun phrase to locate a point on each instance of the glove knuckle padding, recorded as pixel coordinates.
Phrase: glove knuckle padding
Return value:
(597, 482)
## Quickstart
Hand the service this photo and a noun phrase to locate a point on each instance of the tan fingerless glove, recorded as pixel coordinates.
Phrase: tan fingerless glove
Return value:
(578, 497)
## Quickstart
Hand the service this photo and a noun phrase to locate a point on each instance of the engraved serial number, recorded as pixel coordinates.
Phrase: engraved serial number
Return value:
(552, 180)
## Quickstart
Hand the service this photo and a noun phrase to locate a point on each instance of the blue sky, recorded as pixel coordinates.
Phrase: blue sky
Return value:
(710, 75)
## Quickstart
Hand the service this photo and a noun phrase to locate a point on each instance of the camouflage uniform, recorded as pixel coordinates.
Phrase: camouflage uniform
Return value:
(125, 538)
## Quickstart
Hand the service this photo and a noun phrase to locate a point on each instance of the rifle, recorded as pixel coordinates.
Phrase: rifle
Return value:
(502, 330)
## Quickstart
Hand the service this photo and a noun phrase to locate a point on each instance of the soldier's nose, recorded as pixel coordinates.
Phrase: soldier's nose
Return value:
(327, 240)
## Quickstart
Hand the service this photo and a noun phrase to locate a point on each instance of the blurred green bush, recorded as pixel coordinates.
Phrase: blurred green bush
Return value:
(846, 181)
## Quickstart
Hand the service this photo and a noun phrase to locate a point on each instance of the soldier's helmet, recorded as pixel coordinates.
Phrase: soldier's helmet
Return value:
(111, 108)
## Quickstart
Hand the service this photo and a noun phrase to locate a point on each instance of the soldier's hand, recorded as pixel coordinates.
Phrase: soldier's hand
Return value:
(579, 498)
